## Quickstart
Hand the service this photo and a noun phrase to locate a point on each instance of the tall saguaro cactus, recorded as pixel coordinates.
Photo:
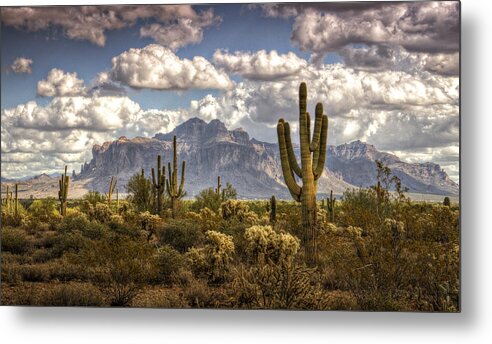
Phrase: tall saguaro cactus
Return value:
(8, 198)
(111, 187)
(330, 206)
(159, 183)
(16, 201)
(313, 155)
(63, 192)
(172, 183)
(273, 210)
(217, 191)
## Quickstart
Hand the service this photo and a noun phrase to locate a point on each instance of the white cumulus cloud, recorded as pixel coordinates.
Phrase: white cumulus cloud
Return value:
(61, 84)
(157, 67)
(260, 65)
(21, 65)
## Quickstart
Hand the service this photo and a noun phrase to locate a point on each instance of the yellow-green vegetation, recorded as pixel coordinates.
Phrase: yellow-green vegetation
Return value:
(379, 252)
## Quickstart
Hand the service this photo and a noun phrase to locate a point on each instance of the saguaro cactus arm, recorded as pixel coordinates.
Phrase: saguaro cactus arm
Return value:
(181, 184)
(290, 150)
(294, 189)
(320, 162)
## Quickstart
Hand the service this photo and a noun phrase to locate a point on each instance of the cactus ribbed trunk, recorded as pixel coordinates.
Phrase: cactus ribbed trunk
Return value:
(112, 186)
(16, 202)
(175, 192)
(330, 206)
(217, 191)
(7, 201)
(63, 192)
(158, 183)
(313, 155)
(273, 210)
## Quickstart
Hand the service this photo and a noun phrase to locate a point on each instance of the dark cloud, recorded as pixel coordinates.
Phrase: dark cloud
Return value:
(91, 22)
(428, 27)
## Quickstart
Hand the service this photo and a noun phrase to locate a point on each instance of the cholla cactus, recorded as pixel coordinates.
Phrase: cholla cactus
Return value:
(102, 212)
(219, 251)
(397, 228)
(313, 155)
(233, 209)
(148, 223)
(214, 260)
(267, 246)
(353, 231)
(209, 219)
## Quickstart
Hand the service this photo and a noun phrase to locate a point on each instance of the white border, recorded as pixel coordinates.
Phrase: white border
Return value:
(73, 325)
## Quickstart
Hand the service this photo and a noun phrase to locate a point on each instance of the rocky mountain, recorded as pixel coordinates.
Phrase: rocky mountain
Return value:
(252, 166)
(355, 162)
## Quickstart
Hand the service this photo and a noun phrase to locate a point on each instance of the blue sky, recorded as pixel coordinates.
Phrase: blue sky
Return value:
(380, 81)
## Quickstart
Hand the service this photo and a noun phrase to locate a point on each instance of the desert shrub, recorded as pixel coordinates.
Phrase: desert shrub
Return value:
(169, 262)
(180, 234)
(74, 220)
(94, 197)
(95, 231)
(265, 245)
(14, 240)
(439, 224)
(212, 261)
(70, 242)
(10, 272)
(72, 294)
(207, 219)
(12, 219)
(160, 298)
(139, 192)
(102, 213)
(42, 255)
(207, 198)
(271, 286)
(119, 267)
(34, 273)
(360, 208)
(233, 210)
(289, 218)
(198, 294)
(45, 210)
(67, 269)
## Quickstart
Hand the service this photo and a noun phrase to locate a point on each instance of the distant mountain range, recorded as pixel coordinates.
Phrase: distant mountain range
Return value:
(251, 166)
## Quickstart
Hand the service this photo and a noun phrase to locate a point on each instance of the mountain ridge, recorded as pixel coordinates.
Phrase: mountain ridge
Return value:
(252, 166)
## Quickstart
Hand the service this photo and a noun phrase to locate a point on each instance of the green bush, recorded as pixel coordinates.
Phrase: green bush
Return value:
(74, 220)
(45, 210)
(71, 242)
(207, 198)
(169, 262)
(180, 234)
(15, 241)
(102, 213)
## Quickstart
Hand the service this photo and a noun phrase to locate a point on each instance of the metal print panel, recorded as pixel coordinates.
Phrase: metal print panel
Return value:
(234, 156)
